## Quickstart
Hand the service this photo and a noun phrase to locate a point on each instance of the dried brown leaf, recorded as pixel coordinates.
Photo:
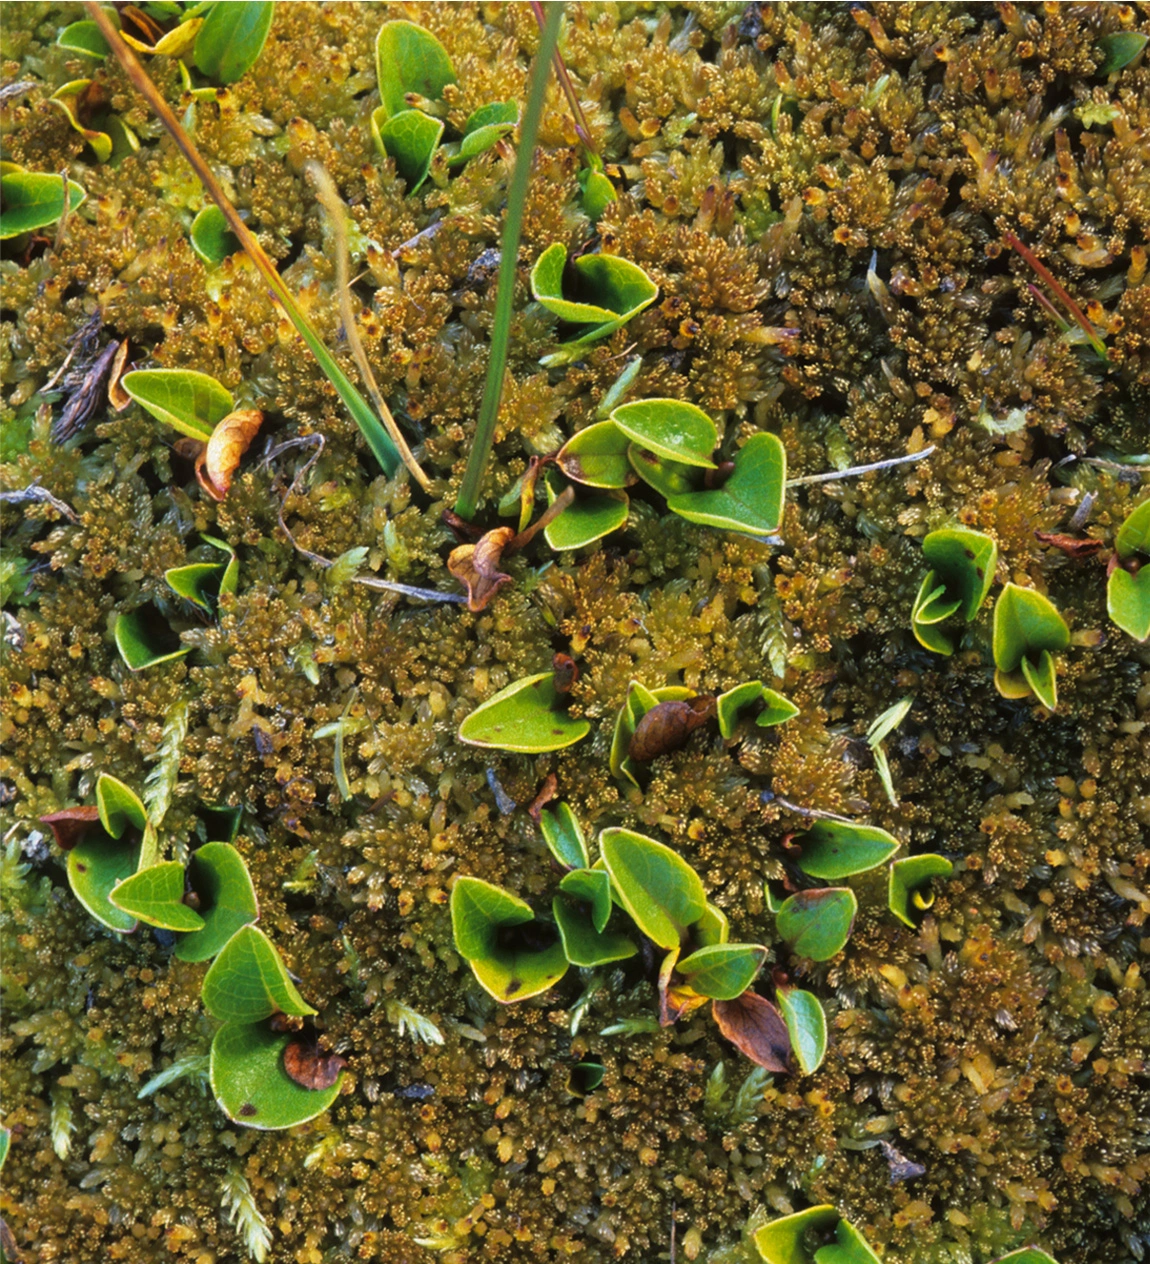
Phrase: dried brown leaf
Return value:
(667, 726)
(71, 824)
(756, 1028)
(308, 1067)
(221, 456)
(476, 566)
(117, 396)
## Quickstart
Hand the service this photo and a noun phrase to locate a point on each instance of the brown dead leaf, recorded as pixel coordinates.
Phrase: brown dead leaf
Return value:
(221, 456)
(675, 997)
(756, 1028)
(71, 824)
(546, 793)
(1072, 545)
(476, 566)
(308, 1067)
(117, 396)
(566, 671)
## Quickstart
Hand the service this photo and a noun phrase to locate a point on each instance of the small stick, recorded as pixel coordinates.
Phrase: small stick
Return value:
(834, 475)
(577, 115)
(1059, 292)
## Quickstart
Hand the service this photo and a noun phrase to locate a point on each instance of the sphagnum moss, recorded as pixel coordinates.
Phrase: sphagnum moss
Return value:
(768, 159)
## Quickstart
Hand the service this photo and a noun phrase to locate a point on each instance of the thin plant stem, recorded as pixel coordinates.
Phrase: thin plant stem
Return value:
(833, 476)
(337, 213)
(1059, 292)
(468, 500)
(381, 446)
(577, 116)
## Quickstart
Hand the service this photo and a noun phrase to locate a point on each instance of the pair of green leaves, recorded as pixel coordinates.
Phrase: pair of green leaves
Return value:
(245, 986)
(527, 717)
(962, 569)
(109, 137)
(204, 583)
(1028, 631)
(1128, 588)
(790, 1239)
(30, 200)
(410, 60)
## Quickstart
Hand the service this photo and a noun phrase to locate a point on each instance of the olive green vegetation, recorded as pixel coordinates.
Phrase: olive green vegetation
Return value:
(848, 174)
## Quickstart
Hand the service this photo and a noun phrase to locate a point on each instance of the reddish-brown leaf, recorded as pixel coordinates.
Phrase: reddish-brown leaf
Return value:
(756, 1028)
(223, 452)
(667, 726)
(117, 396)
(476, 566)
(1072, 545)
(308, 1067)
(566, 671)
(546, 793)
(71, 824)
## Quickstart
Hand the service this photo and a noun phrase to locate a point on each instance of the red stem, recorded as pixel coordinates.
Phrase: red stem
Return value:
(1059, 292)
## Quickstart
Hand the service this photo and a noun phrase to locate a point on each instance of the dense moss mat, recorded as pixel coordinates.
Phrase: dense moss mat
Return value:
(768, 154)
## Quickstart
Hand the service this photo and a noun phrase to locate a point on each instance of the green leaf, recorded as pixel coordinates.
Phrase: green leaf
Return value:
(484, 128)
(849, 1247)
(29, 200)
(604, 291)
(1041, 678)
(410, 139)
(97, 864)
(564, 836)
(817, 924)
(722, 971)
(931, 608)
(120, 807)
(409, 59)
(806, 1025)
(597, 456)
(1025, 1255)
(507, 967)
(220, 878)
(586, 520)
(248, 981)
(1119, 49)
(638, 702)
(729, 705)
(910, 881)
(211, 237)
(198, 582)
(593, 887)
(232, 38)
(189, 402)
(668, 478)
(1128, 601)
(145, 640)
(656, 886)
(964, 563)
(1134, 534)
(782, 1241)
(670, 428)
(1025, 623)
(5, 1142)
(156, 895)
(777, 709)
(250, 1084)
(84, 37)
(585, 944)
(221, 823)
(712, 928)
(596, 193)
(523, 717)
(837, 849)
(67, 99)
(751, 500)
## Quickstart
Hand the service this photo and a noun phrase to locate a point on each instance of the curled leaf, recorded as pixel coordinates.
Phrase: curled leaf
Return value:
(667, 726)
(308, 1067)
(70, 824)
(756, 1028)
(476, 566)
(221, 457)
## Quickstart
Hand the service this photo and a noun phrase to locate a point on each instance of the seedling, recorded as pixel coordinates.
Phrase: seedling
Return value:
(204, 583)
(511, 955)
(585, 520)
(879, 729)
(909, 894)
(962, 570)
(661, 893)
(597, 456)
(156, 896)
(730, 706)
(669, 428)
(581, 911)
(789, 1240)
(231, 39)
(1128, 588)
(1119, 49)
(564, 837)
(525, 717)
(597, 295)
(1028, 631)
(832, 850)
(83, 37)
(32, 200)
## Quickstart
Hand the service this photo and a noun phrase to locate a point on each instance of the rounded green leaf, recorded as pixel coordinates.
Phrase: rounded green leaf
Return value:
(584, 944)
(523, 717)
(722, 971)
(909, 880)
(603, 290)
(656, 886)
(593, 887)
(837, 849)
(145, 640)
(564, 836)
(751, 500)
(198, 582)
(248, 981)
(220, 878)
(485, 126)
(120, 807)
(930, 609)
(597, 456)
(668, 478)
(729, 705)
(30, 200)
(806, 1025)
(211, 237)
(409, 59)
(849, 1247)
(156, 895)
(586, 520)
(250, 1084)
(712, 928)
(1119, 49)
(410, 139)
(596, 193)
(188, 401)
(1134, 534)
(1025, 1255)
(1025, 624)
(817, 924)
(232, 38)
(95, 866)
(84, 37)
(1128, 601)
(670, 428)
(964, 562)
(508, 967)
(782, 1241)
(777, 709)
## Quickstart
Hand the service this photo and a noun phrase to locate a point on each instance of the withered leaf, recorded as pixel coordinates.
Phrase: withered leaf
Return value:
(756, 1028)
(71, 824)
(476, 566)
(546, 793)
(86, 386)
(221, 457)
(117, 396)
(285, 1022)
(901, 1168)
(308, 1067)
(667, 726)
(566, 671)
(1072, 545)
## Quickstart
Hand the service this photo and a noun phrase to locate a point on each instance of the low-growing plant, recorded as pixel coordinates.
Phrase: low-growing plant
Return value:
(1028, 631)
(1128, 586)
(962, 565)
(30, 200)
(816, 1235)
(908, 893)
